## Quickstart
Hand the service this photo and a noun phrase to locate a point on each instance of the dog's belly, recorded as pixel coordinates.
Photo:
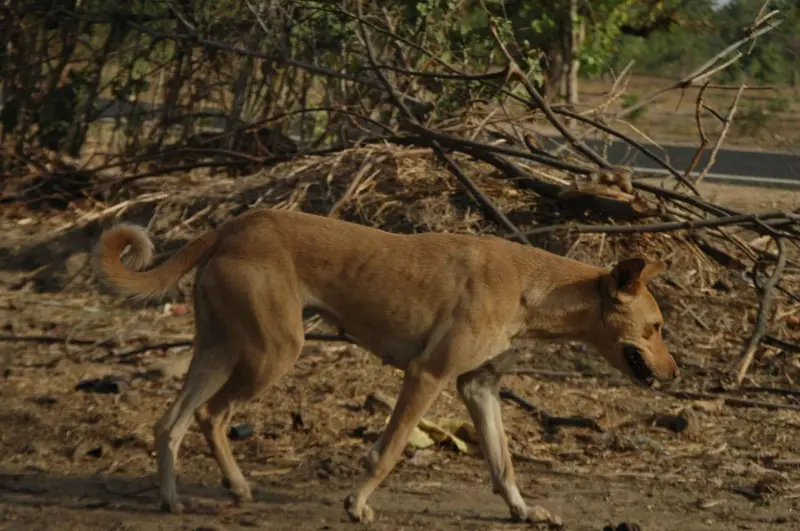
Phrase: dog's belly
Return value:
(394, 351)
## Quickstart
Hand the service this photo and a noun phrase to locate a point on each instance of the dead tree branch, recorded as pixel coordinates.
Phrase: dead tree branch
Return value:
(777, 218)
(764, 312)
(726, 125)
(486, 204)
(540, 103)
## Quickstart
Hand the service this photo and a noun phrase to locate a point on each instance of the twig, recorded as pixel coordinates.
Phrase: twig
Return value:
(722, 134)
(637, 145)
(698, 117)
(764, 309)
(188, 343)
(198, 41)
(535, 155)
(703, 70)
(730, 400)
(551, 374)
(769, 390)
(540, 103)
(741, 219)
(157, 346)
(778, 342)
(547, 419)
(51, 340)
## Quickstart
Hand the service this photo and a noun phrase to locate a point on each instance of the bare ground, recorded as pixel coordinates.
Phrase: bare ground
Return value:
(78, 460)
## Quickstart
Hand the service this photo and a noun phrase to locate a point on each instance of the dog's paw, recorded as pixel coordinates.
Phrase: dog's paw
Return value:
(240, 492)
(358, 512)
(542, 518)
(171, 506)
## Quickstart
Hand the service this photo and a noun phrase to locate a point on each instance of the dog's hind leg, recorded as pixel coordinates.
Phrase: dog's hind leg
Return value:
(479, 390)
(213, 420)
(208, 373)
(267, 351)
(252, 375)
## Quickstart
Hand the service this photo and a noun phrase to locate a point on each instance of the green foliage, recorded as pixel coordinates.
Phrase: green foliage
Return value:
(309, 53)
(705, 29)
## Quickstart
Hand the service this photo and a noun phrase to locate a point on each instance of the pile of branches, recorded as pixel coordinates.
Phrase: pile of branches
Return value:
(247, 88)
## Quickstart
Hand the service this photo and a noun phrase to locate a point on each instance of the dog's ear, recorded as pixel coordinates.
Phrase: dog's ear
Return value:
(626, 276)
(652, 270)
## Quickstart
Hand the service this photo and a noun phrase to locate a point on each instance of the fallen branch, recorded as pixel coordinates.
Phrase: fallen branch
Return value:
(778, 342)
(637, 145)
(188, 343)
(109, 343)
(547, 419)
(742, 219)
(764, 311)
(769, 390)
(535, 155)
(52, 340)
(730, 400)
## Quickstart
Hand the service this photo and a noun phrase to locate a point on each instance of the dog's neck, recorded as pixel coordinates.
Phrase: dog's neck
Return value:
(565, 311)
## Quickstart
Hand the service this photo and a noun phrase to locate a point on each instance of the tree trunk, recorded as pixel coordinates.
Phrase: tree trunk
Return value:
(573, 38)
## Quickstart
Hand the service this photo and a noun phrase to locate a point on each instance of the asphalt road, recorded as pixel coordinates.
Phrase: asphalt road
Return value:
(733, 165)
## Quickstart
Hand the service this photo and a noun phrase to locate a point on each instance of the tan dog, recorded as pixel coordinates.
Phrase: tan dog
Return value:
(438, 306)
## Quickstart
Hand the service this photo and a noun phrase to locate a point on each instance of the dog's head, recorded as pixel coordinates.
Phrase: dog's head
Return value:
(630, 333)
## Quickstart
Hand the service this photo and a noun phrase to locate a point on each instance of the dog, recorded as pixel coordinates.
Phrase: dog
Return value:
(440, 307)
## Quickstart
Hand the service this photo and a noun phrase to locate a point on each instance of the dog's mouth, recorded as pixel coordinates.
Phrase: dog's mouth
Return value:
(641, 372)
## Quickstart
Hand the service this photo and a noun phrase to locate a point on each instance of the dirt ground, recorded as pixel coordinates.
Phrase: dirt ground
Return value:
(75, 460)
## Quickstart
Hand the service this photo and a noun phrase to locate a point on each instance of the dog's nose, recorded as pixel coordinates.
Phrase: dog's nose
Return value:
(676, 373)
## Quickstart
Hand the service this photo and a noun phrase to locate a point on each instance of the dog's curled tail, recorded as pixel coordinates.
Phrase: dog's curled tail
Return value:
(128, 280)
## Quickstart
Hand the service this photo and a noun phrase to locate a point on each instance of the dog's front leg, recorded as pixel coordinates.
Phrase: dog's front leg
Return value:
(419, 390)
(479, 391)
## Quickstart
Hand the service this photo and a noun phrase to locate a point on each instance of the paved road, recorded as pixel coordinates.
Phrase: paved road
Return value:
(735, 166)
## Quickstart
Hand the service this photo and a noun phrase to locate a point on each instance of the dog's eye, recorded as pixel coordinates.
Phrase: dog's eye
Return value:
(657, 327)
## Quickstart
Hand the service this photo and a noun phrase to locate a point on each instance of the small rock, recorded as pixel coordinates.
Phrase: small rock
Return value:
(709, 406)
(106, 385)
(297, 421)
(45, 400)
(131, 398)
(175, 310)
(674, 423)
(98, 451)
(32, 448)
(175, 367)
(721, 285)
(422, 457)
(240, 431)
(624, 526)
